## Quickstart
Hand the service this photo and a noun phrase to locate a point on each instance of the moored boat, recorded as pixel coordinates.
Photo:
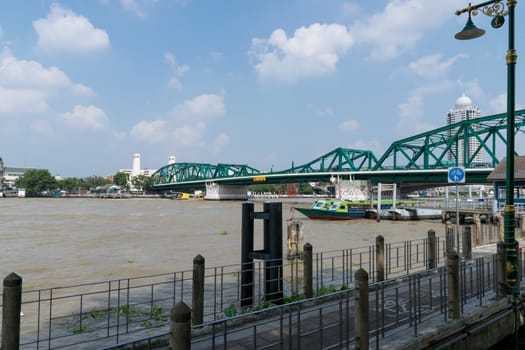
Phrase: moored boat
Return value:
(332, 209)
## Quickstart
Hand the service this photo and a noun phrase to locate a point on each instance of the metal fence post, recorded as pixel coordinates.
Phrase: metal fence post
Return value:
(453, 284)
(12, 304)
(467, 242)
(308, 270)
(180, 328)
(380, 258)
(501, 273)
(197, 291)
(361, 310)
(431, 249)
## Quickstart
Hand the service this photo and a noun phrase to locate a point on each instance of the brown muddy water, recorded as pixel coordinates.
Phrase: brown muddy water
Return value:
(63, 242)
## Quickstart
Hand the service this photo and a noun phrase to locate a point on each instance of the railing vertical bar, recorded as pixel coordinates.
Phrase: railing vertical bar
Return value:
(38, 320)
(214, 292)
(118, 309)
(50, 317)
(80, 311)
(109, 309)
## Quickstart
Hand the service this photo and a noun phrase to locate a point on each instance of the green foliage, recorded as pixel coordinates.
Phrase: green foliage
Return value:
(81, 329)
(121, 179)
(37, 182)
(95, 181)
(230, 311)
(224, 233)
(293, 298)
(305, 188)
(274, 188)
(142, 182)
(151, 318)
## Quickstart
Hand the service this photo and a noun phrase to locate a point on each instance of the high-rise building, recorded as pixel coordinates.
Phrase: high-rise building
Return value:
(463, 111)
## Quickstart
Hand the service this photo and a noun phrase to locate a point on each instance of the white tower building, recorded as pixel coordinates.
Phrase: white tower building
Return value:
(464, 111)
(135, 170)
(171, 160)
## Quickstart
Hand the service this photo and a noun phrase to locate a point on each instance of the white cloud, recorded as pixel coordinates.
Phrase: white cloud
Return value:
(86, 117)
(27, 85)
(81, 90)
(433, 66)
(132, 6)
(327, 112)
(64, 31)
(220, 141)
(202, 107)
(153, 132)
(350, 9)
(29, 74)
(349, 125)
(499, 103)
(401, 25)
(178, 70)
(410, 114)
(311, 51)
(190, 135)
(472, 88)
(22, 101)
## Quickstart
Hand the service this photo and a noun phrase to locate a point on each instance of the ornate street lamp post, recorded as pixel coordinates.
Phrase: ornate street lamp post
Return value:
(497, 10)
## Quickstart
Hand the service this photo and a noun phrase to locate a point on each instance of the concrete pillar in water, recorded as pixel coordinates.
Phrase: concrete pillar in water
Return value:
(295, 238)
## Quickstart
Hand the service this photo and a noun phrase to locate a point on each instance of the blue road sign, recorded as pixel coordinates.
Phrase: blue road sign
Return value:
(456, 175)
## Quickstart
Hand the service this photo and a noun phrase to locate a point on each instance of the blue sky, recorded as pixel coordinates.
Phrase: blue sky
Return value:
(86, 84)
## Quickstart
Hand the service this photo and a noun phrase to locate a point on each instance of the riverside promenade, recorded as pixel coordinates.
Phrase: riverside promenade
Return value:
(422, 310)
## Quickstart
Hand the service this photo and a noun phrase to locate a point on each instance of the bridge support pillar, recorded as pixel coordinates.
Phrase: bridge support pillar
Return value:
(215, 191)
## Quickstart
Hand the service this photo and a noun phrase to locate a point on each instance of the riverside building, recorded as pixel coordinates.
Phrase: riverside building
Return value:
(463, 110)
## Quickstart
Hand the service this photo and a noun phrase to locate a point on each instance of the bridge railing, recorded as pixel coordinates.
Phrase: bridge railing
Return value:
(119, 310)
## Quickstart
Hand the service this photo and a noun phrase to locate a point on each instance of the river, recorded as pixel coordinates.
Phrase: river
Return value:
(61, 242)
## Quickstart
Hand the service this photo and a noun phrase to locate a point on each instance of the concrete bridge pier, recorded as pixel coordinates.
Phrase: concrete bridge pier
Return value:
(216, 191)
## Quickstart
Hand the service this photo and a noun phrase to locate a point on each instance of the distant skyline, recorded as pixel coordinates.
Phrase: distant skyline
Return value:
(84, 85)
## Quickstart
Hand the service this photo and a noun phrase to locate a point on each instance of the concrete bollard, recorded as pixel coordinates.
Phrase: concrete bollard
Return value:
(479, 232)
(453, 285)
(197, 290)
(431, 250)
(12, 305)
(380, 258)
(308, 271)
(501, 272)
(295, 238)
(361, 310)
(467, 242)
(449, 238)
(180, 327)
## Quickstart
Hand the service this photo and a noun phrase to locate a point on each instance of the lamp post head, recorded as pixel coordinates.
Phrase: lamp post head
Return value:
(470, 31)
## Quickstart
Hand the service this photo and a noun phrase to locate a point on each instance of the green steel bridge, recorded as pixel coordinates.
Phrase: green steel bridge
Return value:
(421, 160)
